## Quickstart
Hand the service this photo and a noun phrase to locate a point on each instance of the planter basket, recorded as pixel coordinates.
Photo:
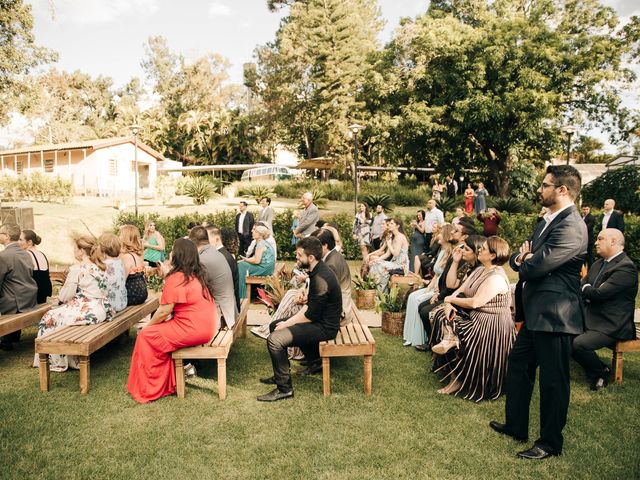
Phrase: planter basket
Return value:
(393, 323)
(366, 299)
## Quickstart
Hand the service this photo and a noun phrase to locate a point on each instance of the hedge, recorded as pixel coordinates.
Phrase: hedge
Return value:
(514, 228)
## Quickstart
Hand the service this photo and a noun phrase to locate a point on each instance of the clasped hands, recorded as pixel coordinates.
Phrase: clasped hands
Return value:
(525, 251)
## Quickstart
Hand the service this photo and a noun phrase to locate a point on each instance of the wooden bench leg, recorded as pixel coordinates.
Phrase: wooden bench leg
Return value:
(326, 376)
(44, 372)
(368, 374)
(616, 367)
(222, 378)
(84, 375)
(179, 377)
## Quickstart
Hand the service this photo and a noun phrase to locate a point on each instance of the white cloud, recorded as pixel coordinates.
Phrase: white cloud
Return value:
(102, 11)
(219, 9)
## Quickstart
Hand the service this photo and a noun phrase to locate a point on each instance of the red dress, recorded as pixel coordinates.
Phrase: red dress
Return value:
(468, 202)
(195, 321)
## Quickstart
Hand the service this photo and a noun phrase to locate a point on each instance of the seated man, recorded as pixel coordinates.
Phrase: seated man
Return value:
(18, 289)
(609, 293)
(320, 321)
(336, 262)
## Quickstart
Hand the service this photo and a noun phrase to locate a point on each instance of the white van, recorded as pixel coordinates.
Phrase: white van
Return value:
(272, 172)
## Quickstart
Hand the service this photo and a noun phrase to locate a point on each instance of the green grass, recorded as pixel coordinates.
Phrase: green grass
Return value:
(405, 430)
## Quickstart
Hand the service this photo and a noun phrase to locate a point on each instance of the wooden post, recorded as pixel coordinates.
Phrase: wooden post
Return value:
(42, 160)
(326, 376)
(84, 375)
(179, 377)
(44, 372)
(616, 366)
(29, 162)
(368, 374)
(55, 161)
(222, 378)
(2, 163)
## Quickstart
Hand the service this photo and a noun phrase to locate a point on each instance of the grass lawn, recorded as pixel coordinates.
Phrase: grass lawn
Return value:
(405, 430)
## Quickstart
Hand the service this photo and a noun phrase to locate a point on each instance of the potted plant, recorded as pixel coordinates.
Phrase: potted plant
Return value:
(365, 288)
(391, 306)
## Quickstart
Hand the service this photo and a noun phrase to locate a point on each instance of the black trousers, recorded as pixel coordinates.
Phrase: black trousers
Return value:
(307, 336)
(243, 243)
(423, 310)
(552, 353)
(375, 243)
(584, 352)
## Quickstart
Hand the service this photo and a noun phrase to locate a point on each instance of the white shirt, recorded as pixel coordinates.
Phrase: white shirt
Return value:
(431, 218)
(605, 219)
(550, 217)
(241, 221)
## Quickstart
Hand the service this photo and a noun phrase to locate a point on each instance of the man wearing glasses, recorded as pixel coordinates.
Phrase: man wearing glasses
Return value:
(549, 265)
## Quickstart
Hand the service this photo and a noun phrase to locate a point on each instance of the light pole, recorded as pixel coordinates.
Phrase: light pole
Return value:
(135, 128)
(568, 130)
(354, 129)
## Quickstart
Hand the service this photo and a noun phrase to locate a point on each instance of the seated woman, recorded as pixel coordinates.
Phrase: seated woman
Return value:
(263, 261)
(131, 256)
(117, 285)
(186, 317)
(28, 241)
(414, 333)
(153, 243)
(83, 297)
(396, 256)
(251, 249)
(483, 325)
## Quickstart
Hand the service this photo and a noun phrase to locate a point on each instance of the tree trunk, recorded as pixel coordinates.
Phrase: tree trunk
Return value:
(499, 165)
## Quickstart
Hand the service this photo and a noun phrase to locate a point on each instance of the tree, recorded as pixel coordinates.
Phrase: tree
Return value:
(586, 150)
(18, 52)
(472, 82)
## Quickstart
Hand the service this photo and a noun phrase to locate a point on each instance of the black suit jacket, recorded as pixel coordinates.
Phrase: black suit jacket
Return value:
(247, 224)
(610, 302)
(233, 265)
(615, 221)
(552, 301)
(590, 222)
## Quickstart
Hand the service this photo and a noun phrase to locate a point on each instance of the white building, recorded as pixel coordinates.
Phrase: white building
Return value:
(104, 167)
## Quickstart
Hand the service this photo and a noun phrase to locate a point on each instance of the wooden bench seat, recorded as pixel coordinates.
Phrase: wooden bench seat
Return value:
(83, 340)
(352, 340)
(18, 321)
(261, 280)
(618, 350)
(217, 349)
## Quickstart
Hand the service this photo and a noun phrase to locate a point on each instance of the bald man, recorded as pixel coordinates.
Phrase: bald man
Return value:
(308, 217)
(610, 217)
(609, 293)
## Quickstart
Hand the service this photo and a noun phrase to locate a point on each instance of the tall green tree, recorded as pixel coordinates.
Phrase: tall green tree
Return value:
(472, 82)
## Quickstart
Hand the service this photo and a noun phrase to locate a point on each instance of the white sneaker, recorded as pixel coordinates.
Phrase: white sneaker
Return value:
(189, 370)
(407, 343)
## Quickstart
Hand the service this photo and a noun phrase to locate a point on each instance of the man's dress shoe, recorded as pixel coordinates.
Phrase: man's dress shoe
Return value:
(275, 395)
(535, 453)
(502, 428)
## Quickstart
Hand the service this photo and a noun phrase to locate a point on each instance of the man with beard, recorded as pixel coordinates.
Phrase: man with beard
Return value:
(549, 265)
(320, 321)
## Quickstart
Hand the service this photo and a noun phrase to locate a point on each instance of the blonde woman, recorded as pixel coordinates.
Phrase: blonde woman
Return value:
(154, 245)
(117, 291)
(84, 298)
(131, 256)
(262, 262)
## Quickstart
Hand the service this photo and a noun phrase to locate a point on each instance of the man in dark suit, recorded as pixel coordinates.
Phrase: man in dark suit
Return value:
(218, 238)
(610, 218)
(336, 262)
(589, 221)
(609, 294)
(18, 289)
(549, 265)
(244, 225)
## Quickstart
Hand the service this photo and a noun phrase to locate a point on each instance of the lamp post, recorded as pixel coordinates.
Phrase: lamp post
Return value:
(354, 129)
(135, 128)
(568, 130)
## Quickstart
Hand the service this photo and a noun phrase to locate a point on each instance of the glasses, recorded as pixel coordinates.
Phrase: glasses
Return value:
(547, 185)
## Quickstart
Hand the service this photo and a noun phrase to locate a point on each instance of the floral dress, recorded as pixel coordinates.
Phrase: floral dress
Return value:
(362, 229)
(117, 289)
(85, 297)
(380, 271)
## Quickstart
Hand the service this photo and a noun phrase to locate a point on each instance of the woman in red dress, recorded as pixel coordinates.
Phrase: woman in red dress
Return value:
(188, 297)
(469, 193)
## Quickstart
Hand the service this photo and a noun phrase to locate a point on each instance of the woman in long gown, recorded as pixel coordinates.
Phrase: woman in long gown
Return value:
(29, 241)
(84, 297)
(418, 245)
(186, 317)
(262, 262)
(480, 204)
(362, 231)
(486, 333)
(414, 332)
(396, 256)
(469, 193)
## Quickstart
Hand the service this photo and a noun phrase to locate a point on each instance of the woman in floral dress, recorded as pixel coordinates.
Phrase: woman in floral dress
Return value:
(117, 292)
(396, 256)
(362, 230)
(83, 296)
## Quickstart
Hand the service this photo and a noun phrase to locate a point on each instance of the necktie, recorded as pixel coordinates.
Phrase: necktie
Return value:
(604, 265)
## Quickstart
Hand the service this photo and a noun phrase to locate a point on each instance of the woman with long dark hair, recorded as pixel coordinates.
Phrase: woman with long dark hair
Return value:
(29, 241)
(186, 317)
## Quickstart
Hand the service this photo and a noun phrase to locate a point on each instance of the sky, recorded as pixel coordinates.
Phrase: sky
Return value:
(107, 37)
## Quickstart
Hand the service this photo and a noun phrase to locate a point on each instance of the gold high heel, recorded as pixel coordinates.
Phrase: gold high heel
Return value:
(449, 341)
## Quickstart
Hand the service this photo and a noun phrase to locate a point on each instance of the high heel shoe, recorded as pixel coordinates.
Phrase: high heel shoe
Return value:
(446, 344)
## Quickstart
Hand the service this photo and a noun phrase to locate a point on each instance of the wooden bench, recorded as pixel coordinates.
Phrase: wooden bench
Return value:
(18, 321)
(352, 340)
(218, 348)
(618, 350)
(83, 340)
(261, 280)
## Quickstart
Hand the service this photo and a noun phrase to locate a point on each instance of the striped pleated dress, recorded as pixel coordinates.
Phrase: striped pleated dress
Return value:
(486, 338)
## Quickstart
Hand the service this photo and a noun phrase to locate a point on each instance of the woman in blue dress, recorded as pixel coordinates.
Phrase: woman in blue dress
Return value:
(480, 204)
(418, 244)
(261, 263)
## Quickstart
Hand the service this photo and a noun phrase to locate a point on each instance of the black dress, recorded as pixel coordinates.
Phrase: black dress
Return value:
(41, 276)
(136, 285)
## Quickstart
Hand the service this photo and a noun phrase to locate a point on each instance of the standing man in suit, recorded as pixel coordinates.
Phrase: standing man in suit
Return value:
(308, 218)
(609, 294)
(590, 222)
(219, 274)
(244, 225)
(18, 289)
(336, 262)
(549, 265)
(266, 214)
(611, 218)
(217, 238)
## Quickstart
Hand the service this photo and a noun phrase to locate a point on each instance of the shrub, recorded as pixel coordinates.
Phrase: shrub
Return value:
(447, 204)
(200, 189)
(165, 188)
(37, 187)
(375, 199)
(619, 184)
(510, 205)
(516, 228)
(256, 191)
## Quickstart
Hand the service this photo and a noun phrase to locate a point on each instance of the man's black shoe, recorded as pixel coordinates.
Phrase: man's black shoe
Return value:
(535, 453)
(312, 369)
(599, 384)
(268, 380)
(502, 428)
(275, 395)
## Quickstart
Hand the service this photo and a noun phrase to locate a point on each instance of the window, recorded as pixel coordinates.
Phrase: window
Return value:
(19, 167)
(113, 167)
(48, 165)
